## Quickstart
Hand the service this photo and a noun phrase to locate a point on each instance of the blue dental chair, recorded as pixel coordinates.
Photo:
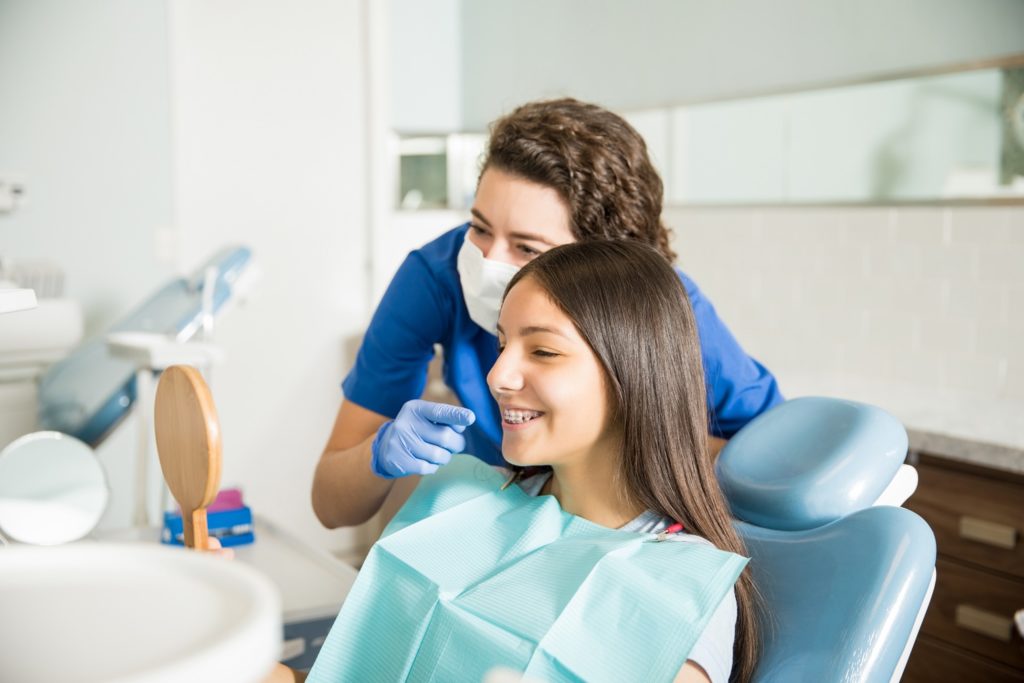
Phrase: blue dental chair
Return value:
(845, 574)
(89, 393)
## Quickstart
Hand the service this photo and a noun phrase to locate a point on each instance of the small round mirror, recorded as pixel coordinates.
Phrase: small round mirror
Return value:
(52, 489)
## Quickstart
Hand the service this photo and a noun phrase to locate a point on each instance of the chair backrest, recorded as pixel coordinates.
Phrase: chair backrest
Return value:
(87, 394)
(844, 584)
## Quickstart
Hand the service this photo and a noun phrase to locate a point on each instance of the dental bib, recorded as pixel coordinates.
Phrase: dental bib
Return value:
(468, 577)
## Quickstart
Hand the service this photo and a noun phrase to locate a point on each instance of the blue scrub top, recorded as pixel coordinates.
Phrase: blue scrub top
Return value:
(423, 306)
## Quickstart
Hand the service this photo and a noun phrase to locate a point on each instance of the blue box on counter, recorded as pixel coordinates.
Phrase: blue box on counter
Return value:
(231, 527)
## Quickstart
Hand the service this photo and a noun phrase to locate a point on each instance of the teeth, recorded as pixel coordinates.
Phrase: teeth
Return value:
(519, 416)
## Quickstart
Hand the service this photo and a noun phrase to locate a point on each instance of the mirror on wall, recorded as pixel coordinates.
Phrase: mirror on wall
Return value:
(950, 137)
(52, 489)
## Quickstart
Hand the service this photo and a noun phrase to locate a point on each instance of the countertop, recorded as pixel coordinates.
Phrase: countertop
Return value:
(981, 430)
(12, 300)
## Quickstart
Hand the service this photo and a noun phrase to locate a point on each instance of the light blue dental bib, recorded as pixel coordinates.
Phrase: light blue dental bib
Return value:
(467, 578)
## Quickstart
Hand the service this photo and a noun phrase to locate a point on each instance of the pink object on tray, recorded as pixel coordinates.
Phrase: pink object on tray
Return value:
(227, 499)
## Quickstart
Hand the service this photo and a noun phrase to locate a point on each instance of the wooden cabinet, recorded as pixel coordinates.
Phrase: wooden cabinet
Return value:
(977, 515)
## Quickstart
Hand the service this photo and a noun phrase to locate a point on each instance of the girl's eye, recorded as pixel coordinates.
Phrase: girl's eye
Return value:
(477, 229)
(544, 354)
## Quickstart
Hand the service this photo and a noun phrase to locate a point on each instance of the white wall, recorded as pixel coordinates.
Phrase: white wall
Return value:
(85, 125)
(425, 47)
(150, 134)
(629, 55)
(270, 151)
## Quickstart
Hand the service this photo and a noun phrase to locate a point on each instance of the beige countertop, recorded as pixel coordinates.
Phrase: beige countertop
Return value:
(981, 430)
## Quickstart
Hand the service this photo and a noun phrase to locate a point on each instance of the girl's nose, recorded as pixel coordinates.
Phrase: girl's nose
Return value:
(505, 376)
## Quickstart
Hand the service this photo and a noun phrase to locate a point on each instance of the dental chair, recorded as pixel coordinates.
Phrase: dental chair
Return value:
(845, 574)
(87, 394)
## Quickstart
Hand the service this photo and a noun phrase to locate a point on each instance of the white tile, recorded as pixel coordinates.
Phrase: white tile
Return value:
(848, 263)
(836, 323)
(948, 335)
(888, 330)
(1002, 340)
(952, 261)
(804, 226)
(921, 368)
(1013, 386)
(826, 291)
(817, 357)
(1002, 263)
(896, 259)
(918, 296)
(757, 232)
(1015, 218)
(974, 373)
(1015, 302)
(724, 222)
(978, 300)
(870, 225)
(893, 296)
(921, 226)
(866, 360)
(980, 225)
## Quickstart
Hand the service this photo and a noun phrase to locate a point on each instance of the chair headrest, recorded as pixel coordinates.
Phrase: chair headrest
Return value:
(810, 461)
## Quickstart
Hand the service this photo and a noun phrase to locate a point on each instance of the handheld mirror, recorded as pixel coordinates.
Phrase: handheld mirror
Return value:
(189, 446)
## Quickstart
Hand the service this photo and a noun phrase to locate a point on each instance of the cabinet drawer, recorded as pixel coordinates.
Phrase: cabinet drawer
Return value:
(975, 518)
(974, 610)
(934, 662)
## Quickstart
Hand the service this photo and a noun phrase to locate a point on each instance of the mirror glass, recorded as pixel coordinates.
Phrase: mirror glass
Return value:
(52, 489)
(932, 138)
(956, 136)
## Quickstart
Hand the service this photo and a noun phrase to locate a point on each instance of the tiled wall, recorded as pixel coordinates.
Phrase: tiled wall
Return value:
(932, 297)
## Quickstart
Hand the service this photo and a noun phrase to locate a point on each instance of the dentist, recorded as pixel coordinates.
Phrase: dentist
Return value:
(555, 172)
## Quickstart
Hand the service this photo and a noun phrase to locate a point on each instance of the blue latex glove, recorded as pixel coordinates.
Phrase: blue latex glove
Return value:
(422, 438)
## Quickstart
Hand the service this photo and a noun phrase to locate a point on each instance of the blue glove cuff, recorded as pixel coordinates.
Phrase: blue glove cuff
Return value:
(375, 449)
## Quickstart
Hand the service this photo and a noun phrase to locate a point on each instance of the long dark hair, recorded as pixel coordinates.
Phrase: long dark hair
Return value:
(594, 159)
(629, 305)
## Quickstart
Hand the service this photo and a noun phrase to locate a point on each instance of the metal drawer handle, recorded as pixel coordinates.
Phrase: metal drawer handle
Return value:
(990, 533)
(986, 623)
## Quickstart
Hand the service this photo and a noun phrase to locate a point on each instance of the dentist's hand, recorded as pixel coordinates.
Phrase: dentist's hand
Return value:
(422, 438)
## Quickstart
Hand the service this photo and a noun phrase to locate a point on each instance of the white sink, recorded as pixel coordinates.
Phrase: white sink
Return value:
(118, 613)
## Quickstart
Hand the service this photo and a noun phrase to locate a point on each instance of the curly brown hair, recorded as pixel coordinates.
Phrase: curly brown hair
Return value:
(594, 159)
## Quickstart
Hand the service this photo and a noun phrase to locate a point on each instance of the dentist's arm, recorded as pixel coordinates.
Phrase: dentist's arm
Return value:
(366, 452)
(346, 492)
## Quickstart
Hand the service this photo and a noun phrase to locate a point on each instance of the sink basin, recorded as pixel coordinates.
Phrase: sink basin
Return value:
(91, 612)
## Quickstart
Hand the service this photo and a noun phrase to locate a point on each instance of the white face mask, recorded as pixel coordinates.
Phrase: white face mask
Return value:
(483, 284)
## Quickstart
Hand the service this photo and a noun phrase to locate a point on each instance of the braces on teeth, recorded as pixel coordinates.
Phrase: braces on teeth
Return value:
(519, 416)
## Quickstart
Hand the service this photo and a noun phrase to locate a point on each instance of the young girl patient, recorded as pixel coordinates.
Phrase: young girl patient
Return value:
(602, 394)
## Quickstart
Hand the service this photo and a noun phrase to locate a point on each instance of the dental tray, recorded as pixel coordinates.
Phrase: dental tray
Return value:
(227, 518)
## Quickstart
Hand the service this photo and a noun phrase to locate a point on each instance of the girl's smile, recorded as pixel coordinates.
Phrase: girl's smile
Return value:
(549, 385)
